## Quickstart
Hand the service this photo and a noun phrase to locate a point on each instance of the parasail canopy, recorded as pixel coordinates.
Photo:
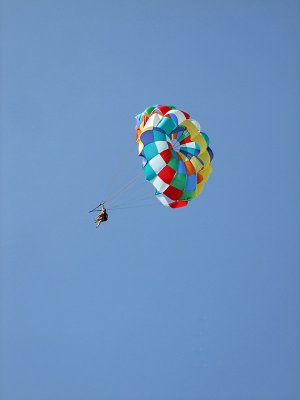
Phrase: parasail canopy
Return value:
(175, 154)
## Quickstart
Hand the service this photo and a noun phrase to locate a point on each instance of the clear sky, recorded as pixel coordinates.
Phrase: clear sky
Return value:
(200, 303)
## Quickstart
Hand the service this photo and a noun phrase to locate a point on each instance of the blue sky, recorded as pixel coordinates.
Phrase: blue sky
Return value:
(196, 303)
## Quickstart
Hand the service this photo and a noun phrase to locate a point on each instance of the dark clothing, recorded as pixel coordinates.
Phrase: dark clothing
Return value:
(105, 216)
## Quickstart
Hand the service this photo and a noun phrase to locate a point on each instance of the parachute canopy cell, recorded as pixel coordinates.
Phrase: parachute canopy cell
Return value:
(175, 154)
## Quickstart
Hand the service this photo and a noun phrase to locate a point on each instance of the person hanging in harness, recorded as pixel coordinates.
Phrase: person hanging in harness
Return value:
(102, 217)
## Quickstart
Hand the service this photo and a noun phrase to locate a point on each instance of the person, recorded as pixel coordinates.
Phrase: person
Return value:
(102, 217)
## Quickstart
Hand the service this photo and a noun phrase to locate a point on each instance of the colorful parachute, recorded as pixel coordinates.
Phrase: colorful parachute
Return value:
(175, 154)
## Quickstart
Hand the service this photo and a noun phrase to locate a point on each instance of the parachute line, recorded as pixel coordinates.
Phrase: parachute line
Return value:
(124, 188)
(139, 201)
